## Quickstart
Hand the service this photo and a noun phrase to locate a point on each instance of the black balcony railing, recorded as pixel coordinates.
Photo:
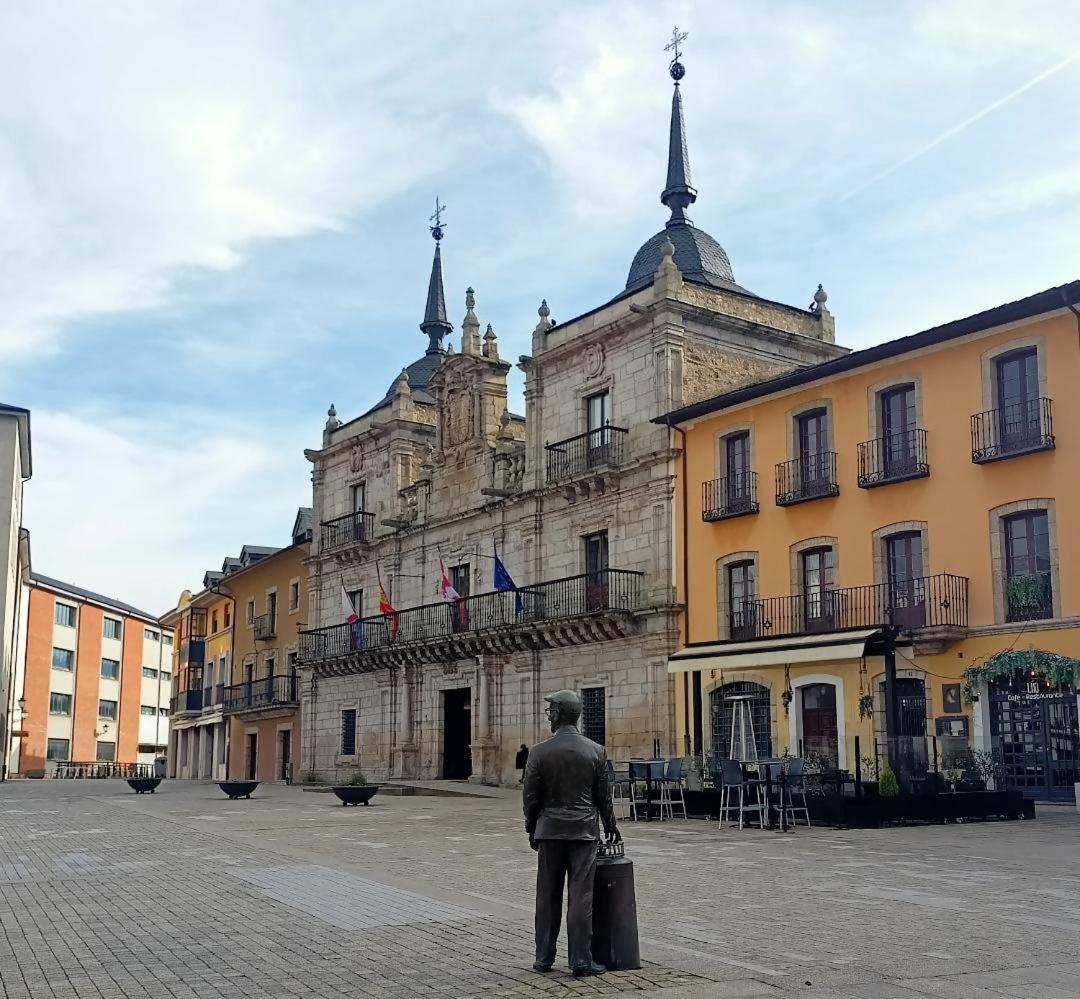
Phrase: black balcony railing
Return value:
(353, 529)
(925, 602)
(72, 769)
(1029, 597)
(732, 496)
(266, 692)
(574, 596)
(186, 700)
(893, 458)
(811, 476)
(1019, 428)
(265, 627)
(592, 450)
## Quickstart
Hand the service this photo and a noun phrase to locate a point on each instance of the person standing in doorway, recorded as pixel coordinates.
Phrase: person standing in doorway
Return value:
(566, 796)
(521, 761)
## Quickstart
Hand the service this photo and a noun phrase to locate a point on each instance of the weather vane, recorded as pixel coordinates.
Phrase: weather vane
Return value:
(437, 228)
(676, 69)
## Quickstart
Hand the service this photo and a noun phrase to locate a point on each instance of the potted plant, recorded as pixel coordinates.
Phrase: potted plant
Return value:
(356, 790)
(866, 706)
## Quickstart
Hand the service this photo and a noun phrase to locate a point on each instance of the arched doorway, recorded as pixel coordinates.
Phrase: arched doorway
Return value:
(741, 721)
(820, 736)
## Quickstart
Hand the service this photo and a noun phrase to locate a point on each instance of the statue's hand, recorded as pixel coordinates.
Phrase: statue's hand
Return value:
(533, 843)
(613, 835)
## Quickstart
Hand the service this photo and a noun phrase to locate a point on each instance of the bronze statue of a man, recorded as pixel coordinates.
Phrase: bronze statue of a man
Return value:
(566, 795)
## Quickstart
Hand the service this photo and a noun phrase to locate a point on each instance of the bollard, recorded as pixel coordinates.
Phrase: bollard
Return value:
(615, 930)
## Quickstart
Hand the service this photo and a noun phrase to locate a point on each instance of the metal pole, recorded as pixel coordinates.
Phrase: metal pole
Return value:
(858, 769)
(892, 717)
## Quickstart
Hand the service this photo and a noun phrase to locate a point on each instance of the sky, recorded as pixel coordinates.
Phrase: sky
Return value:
(213, 217)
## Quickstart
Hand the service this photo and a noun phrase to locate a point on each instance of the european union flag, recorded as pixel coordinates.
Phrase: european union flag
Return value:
(504, 581)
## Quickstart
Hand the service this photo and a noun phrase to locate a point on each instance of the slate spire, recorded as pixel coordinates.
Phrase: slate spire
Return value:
(678, 193)
(435, 323)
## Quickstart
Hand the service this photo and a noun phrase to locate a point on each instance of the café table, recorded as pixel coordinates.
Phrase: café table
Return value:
(769, 772)
(649, 771)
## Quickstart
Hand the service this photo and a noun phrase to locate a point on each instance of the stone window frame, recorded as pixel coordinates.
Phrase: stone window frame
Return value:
(723, 607)
(998, 515)
(344, 706)
(791, 420)
(988, 366)
(879, 539)
(720, 447)
(906, 669)
(584, 391)
(878, 389)
(795, 552)
(295, 581)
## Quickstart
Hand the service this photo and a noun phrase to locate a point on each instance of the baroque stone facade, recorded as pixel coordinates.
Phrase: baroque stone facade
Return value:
(576, 497)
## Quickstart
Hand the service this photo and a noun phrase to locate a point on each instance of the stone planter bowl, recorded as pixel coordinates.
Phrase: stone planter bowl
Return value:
(355, 794)
(238, 788)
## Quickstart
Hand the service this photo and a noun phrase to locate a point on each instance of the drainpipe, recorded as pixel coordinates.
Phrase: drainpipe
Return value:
(690, 680)
(6, 738)
(1076, 314)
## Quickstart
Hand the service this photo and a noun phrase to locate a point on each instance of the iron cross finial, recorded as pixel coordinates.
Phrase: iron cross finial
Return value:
(437, 228)
(677, 38)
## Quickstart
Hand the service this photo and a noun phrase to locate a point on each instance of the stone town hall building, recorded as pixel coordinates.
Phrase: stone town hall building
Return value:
(576, 496)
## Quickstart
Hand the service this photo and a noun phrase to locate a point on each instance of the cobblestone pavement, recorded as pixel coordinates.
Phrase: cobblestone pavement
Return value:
(186, 894)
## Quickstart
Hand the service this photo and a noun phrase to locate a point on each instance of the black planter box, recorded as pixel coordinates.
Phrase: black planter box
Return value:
(238, 788)
(355, 794)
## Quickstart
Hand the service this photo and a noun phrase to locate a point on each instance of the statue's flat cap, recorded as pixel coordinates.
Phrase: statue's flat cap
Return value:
(564, 697)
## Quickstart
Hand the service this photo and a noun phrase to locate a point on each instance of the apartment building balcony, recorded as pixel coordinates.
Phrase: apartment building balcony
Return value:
(187, 702)
(192, 652)
(262, 698)
(346, 536)
(265, 626)
(932, 609)
(809, 477)
(587, 461)
(592, 607)
(894, 458)
(732, 496)
(1020, 428)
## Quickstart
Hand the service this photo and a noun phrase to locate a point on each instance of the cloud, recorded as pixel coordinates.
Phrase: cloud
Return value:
(140, 140)
(130, 508)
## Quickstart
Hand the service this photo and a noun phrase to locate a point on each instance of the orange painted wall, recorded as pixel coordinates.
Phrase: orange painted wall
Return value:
(267, 750)
(87, 679)
(955, 500)
(36, 686)
(127, 738)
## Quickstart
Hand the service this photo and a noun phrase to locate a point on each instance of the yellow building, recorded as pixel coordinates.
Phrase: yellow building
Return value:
(262, 701)
(921, 495)
(202, 650)
(235, 706)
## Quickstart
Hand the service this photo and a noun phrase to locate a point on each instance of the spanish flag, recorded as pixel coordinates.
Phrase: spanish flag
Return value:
(385, 607)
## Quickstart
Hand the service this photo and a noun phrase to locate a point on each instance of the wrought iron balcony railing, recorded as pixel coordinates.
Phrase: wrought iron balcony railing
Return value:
(811, 476)
(587, 452)
(574, 596)
(186, 700)
(266, 692)
(1019, 428)
(265, 627)
(925, 602)
(893, 458)
(353, 529)
(1029, 597)
(732, 496)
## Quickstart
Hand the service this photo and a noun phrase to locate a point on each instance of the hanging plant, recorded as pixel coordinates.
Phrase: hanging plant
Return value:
(1057, 670)
(866, 706)
(1026, 592)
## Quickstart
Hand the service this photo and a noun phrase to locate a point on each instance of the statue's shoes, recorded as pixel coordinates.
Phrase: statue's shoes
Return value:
(541, 967)
(589, 969)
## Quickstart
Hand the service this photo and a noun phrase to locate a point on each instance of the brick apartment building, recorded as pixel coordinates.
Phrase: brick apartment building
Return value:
(96, 683)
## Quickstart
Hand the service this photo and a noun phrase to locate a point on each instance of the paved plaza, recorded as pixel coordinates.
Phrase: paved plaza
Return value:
(186, 894)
